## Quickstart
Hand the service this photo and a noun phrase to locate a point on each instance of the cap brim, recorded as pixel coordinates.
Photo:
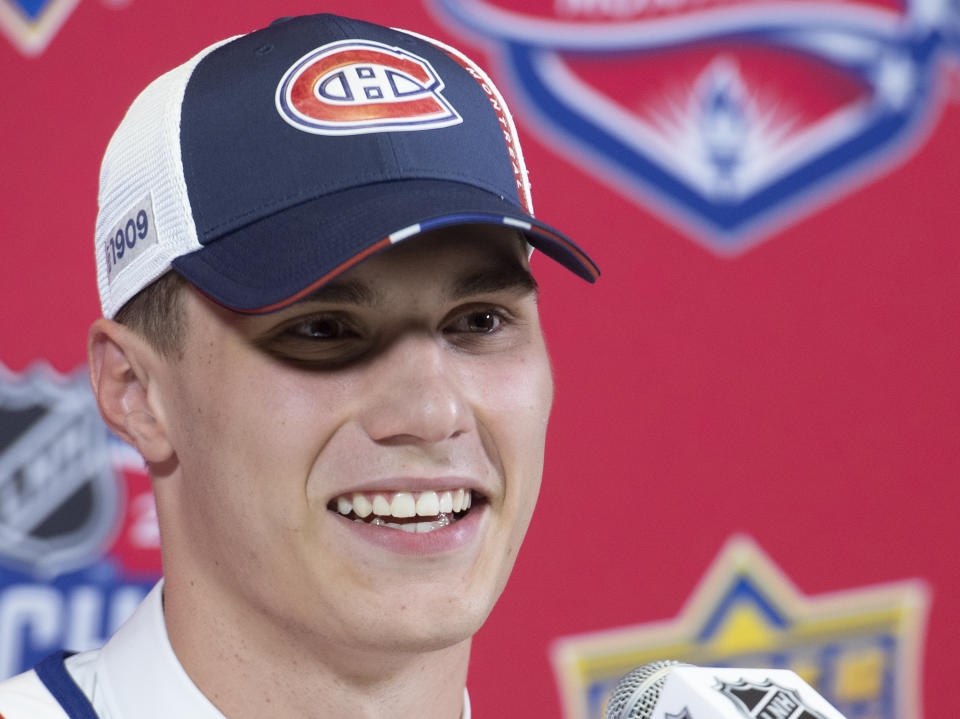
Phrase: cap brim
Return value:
(282, 258)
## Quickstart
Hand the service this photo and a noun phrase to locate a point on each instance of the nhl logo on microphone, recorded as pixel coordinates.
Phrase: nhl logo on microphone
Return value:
(359, 86)
(767, 700)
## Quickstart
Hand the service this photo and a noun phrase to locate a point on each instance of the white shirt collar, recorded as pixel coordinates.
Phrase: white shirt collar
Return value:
(138, 675)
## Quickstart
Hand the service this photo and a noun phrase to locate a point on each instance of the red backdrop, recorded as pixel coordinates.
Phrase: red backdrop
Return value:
(802, 390)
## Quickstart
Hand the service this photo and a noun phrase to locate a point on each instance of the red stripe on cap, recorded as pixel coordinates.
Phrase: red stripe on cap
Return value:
(506, 125)
(510, 139)
(571, 248)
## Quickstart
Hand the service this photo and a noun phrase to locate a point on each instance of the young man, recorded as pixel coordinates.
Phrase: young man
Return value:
(321, 332)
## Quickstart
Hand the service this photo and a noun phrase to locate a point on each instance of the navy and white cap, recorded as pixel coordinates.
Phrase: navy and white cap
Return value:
(271, 162)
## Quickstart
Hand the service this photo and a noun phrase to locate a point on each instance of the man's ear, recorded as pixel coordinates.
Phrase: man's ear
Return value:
(120, 363)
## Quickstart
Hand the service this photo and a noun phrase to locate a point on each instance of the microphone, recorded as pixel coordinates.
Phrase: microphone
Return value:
(672, 690)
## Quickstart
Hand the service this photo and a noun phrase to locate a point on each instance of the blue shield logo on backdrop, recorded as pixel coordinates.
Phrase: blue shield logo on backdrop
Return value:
(731, 119)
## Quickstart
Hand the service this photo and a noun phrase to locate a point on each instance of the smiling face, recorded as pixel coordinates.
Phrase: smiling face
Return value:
(416, 382)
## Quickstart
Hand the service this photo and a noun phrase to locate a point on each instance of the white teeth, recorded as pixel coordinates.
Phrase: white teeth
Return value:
(361, 505)
(428, 505)
(403, 505)
(446, 502)
(458, 501)
(380, 505)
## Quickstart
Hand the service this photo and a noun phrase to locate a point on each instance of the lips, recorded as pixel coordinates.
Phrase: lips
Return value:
(416, 512)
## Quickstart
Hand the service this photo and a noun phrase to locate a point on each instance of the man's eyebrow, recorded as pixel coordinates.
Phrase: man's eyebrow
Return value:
(498, 279)
(343, 292)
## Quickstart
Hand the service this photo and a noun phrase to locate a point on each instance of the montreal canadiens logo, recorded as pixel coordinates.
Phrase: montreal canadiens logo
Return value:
(358, 86)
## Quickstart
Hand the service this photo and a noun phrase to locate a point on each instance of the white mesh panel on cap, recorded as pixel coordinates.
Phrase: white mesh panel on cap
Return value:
(143, 160)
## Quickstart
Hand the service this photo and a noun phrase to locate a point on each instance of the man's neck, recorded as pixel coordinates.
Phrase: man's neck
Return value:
(250, 668)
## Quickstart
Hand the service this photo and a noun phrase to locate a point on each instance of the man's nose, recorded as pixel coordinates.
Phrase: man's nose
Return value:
(415, 395)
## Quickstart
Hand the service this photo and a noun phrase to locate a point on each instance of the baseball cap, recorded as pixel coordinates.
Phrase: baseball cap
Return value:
(271, 162)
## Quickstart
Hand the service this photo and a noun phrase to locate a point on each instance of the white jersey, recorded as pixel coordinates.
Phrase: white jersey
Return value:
(135, 675)
(26, 696)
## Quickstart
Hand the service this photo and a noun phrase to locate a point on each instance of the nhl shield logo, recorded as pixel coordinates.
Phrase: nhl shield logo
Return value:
(58, 494)
(767, 701)
(729, 120)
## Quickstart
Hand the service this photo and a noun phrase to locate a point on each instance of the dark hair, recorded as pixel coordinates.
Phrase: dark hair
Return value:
(157, 314)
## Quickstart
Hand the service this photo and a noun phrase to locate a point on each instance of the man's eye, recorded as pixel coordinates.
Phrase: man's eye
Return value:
(479, 321)
(320, 328)
(316, 342)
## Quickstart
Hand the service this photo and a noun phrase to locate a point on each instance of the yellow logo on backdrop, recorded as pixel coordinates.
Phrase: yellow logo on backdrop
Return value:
(860, 648)
(31, 24)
